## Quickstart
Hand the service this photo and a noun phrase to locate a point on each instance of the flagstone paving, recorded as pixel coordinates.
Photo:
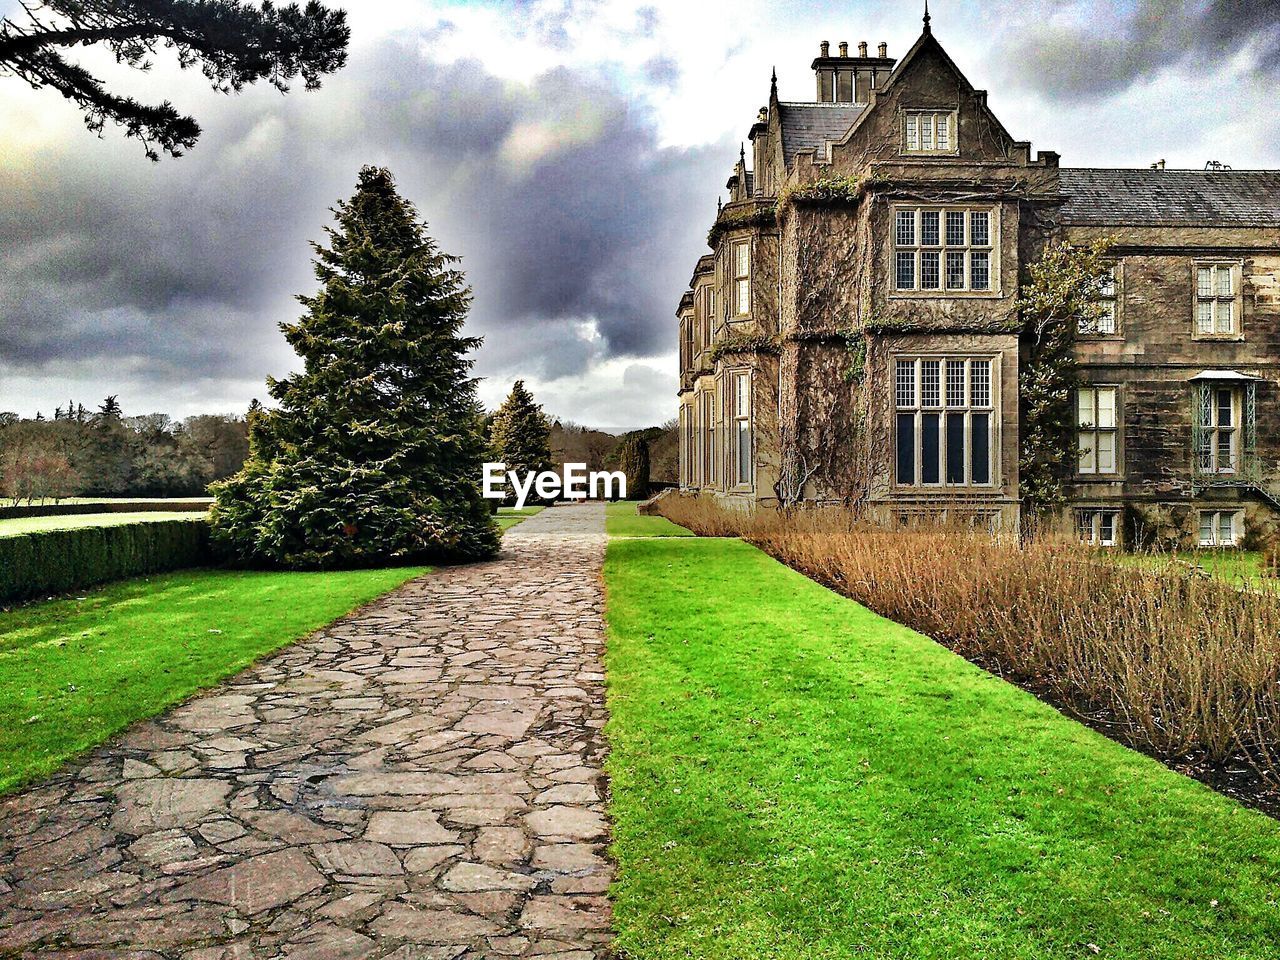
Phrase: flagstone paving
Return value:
(421, 781)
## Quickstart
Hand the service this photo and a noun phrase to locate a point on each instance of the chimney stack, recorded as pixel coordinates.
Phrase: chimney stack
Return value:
(844, 48)
(862, 49)
(825, 49)
(884, 50)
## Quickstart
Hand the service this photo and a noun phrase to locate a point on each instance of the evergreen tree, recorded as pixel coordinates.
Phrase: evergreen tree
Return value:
(520, 433)
(373, 453)
(633, 460)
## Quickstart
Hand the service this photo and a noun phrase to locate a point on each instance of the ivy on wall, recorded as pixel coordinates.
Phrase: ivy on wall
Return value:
(1060, 293)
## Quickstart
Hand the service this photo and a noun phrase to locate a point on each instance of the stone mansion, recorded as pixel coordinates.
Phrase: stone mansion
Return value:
(853, 335)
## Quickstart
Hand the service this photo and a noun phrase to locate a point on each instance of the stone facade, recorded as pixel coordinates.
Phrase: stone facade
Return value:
(853, 337)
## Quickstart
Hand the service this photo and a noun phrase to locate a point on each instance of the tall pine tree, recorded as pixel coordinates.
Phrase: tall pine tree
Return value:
(520, 433)
(373, 454)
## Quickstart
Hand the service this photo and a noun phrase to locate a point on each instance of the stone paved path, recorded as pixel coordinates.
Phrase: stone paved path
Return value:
(422, 780)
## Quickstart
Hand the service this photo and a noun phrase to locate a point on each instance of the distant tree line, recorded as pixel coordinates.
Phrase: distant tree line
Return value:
(103, 452)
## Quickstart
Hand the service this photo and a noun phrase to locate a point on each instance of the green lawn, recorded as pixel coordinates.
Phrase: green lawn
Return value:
(16, 525)
(796, 777)
(621, 520)
(1240, 567)
(74, 672)
(508, 517)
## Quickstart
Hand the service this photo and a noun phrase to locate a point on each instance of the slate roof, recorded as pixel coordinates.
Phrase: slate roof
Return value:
(810, 126)
(1120, 197)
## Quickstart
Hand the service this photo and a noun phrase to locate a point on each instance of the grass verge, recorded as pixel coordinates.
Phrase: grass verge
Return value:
(622, 520)
(508, 517)
(73, 672)
(796, 777)
(19, 525)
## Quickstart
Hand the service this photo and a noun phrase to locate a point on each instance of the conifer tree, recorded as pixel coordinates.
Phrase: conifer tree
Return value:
(520, 433)
(373, 454)
(633, 460)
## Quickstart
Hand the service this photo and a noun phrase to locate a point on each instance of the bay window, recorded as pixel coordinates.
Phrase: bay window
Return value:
(940, 249)
(944, 422)
(741, 429)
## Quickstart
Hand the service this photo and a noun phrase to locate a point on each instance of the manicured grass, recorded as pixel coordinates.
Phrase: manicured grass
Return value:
(16, 525)
(74, 672)
(508, 517)
(621, 520)
(796, 777)
(1234, 566)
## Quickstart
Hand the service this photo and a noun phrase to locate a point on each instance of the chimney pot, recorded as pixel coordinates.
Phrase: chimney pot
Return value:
(825, 49)
(862, 49)
(884, 50)
(844, 48)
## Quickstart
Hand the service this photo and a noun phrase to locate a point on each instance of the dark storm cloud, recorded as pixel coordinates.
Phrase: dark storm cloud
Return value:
(573, 223)
(1123, 45)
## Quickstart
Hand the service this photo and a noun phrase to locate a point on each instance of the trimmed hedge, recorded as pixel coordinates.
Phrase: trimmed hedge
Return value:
(56, 561)
(22, 511)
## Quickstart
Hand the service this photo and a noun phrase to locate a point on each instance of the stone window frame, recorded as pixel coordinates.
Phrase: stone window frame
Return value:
(943, 407)
(732, 419)
(992, 248)
(1116, 299)
(1092, 528)
(740, 281)
(1116, 431)
(1236, 298)
(953, 120)
(1215, 516)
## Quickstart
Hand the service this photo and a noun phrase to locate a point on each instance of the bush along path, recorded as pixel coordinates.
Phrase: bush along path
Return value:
(422, 779)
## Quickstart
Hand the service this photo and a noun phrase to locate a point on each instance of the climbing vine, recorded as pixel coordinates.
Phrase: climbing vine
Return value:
(1059, 295)
(744, 343)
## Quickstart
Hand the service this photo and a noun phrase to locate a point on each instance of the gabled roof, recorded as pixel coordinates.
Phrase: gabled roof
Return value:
(811, 126)
(1120, 197)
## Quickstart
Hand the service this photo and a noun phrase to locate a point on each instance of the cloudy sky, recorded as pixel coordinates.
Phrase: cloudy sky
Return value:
(570, 151)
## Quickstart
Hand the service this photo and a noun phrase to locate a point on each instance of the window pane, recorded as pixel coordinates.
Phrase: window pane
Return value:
(906, 232)
(1108, 286)
(1107, 527)
(979, 270)
(930, 446)
(929, 228)
(980, 383)
(944, 131)
(1107, 318)
(930, 386)
(1226, 533)
(1106, 457)
(913, 132)
(980, 424)
(955, 383)
(1223, 310)
(979, 228)
(1204, 316)
(1085, 406)
(929, 279)
(743, 294)
(906, 271)
(955, 270)
(926, 131)
(955, 448)
(744, 452)
(906, 383)
(1106, 406)
(955, 228)
(1206, 528)
(742, 394)
(1086, 452)
(1224, 408)
(743, 253)
(907, 448)
(1224, 282)
(1204, 281)
(1225, 460)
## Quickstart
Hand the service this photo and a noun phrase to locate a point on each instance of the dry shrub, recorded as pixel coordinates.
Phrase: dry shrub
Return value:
(1182, 665)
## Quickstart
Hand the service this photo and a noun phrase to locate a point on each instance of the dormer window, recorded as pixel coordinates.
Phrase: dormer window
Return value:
(929, 132)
